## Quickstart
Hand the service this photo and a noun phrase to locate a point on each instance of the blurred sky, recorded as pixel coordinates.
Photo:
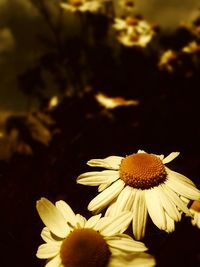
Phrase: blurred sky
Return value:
(21, 24)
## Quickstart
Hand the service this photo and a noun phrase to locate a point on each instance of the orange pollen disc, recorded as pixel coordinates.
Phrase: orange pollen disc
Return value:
(131, 21)
(142, 170)
(84, 248)
(76, 3)
(196, 205)
(129, 3)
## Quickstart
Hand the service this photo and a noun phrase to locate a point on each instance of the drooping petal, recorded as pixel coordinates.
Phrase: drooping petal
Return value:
(52, 218)
(123, 201)
(113, 225)
(179, 177)
(170, 157)
(139, 210)
(98, 178)
(126, 244)
(186, 190)
(47, 250)
(111, 162)
(105, 197)
(92, 221)
(155, 209)
(55, 262)
(175, 199)
(66, 211)
(168, 205)
(170, 224)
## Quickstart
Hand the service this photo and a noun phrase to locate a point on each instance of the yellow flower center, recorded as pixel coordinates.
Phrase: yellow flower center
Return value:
(84, 248)
(196, 205)
(76, 3)
(131, 21)
(142, 170)
(129, 3)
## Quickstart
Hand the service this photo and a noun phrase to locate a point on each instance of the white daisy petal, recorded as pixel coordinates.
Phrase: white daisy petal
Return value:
(170, 157)
(110, 209)
(123, 200)
(126, 244)
(105, 197)
(47, 250)
(170, 224)
(176, 199)
(181, 188)
(140, 215)
(155, 208)
(92, 221)
(179, 177)
(141, 151)
(47, 236)
(111, 162)
(103, 187)
(66, 211)
(55, 262)
(98, 178)
(81, 221)
(52, 218)
(114, 225)
(168, 205)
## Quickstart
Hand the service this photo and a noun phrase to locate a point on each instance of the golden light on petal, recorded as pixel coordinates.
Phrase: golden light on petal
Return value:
(53, 102)
(85, 248)
(113, 102)
(131, 21)
(76, 3)
(142, 170)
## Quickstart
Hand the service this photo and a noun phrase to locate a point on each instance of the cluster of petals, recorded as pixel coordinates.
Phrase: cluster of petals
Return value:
(82, 5)
(133, 31)
(164, 203)
(61, 221)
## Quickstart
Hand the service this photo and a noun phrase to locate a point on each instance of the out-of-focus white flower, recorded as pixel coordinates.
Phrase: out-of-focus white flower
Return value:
(167, 59)
(7, 41)
(82, 5)
(53, 102)
(114, 102)
(191, 48)
(71, 240)
(142, 184)
(127, 5)
(195, 210)
(133, 31)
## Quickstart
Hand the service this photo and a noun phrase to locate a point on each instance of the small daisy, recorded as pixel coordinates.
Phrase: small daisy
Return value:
(127, 5)
(192, 47)
(73, 241)
(82, 5)
(195, 210)
(114, 102)
(133, 31)
(168, 60)
(141, 183)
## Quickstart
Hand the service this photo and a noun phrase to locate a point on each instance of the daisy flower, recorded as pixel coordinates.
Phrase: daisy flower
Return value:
(133, 31)
(142, 184)
(167, 60)
(73, 241)
(195, 210)
(82, 5)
